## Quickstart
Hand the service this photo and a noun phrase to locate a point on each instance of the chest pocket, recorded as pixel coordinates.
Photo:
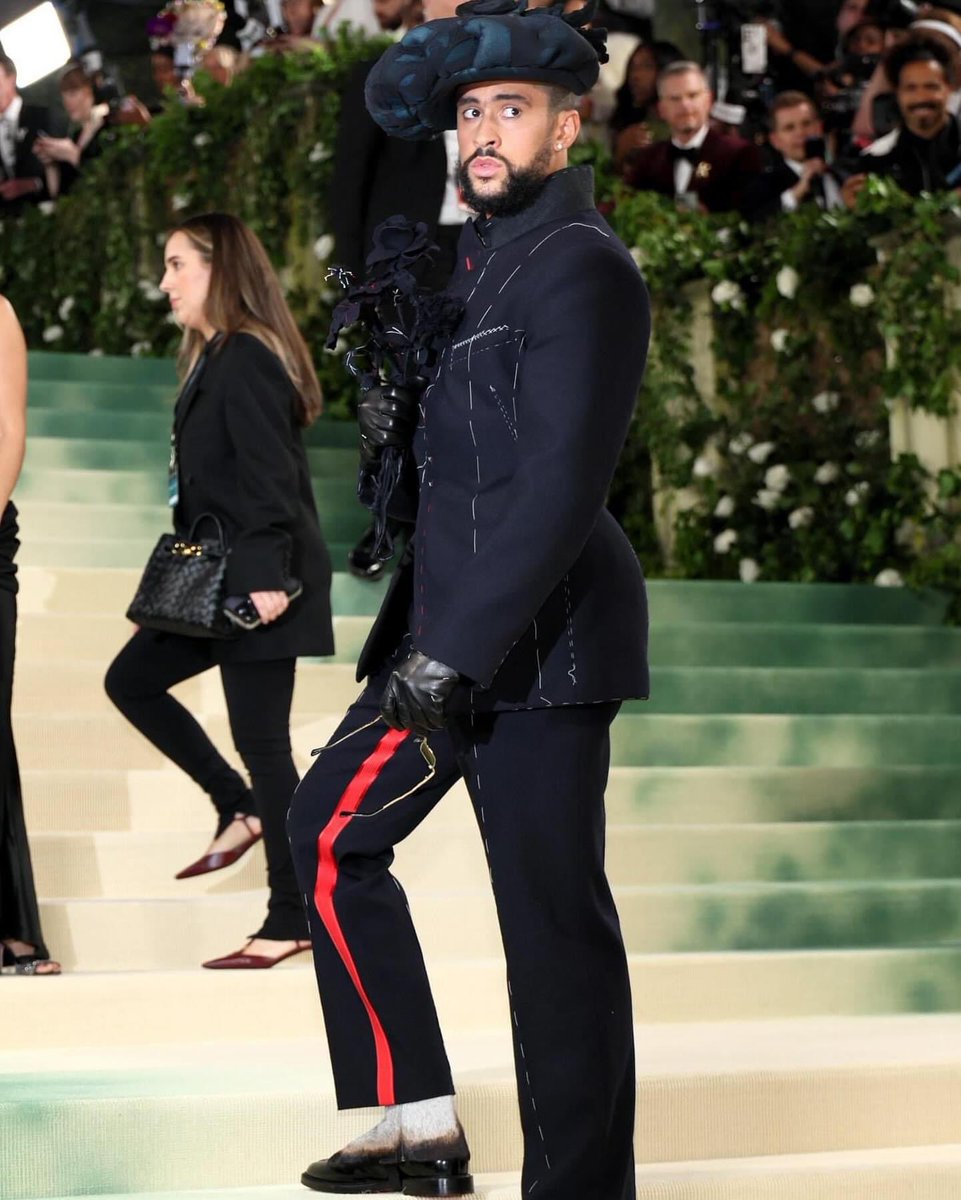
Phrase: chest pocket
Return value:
(488, 364)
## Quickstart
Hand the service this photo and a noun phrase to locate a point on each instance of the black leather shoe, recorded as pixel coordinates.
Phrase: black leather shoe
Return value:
(366, 1175)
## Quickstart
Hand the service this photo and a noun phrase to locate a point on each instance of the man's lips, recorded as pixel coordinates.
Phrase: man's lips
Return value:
(485, 168)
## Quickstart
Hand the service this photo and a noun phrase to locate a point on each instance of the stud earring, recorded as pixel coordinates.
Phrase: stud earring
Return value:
(558, 145)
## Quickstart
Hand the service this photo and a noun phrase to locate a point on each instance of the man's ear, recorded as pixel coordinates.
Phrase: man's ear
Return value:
(567, 128)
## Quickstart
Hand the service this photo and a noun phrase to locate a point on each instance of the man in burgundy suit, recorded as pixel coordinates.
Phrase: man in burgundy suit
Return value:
(702, 169)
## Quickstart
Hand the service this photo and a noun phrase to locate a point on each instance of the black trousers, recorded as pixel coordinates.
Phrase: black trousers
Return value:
(536, 780)
(258, 696)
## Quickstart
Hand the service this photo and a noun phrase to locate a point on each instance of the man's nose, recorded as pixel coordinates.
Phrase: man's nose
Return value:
(485, 134)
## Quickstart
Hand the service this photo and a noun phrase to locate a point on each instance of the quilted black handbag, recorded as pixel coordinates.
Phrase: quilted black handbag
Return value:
(183, 586)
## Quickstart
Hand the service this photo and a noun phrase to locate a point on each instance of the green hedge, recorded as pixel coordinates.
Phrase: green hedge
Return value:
(785, 474)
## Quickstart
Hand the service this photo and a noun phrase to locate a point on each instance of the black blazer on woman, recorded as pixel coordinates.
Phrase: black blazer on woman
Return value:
(242, 457)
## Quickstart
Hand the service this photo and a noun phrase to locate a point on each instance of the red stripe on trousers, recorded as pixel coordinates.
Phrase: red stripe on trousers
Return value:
(351, 799)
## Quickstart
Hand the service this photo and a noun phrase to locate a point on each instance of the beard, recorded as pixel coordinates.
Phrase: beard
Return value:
(522, 187)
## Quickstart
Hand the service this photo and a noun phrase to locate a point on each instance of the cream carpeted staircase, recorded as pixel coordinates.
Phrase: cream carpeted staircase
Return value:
(784, 840)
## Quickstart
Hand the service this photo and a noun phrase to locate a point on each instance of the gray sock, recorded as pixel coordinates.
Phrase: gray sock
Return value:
(430, 1130)
(383, 1139)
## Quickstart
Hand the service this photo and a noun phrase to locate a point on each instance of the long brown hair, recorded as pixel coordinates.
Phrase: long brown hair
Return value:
(245, 297)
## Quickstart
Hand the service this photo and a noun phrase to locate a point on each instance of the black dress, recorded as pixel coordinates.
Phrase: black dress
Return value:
(19, 918)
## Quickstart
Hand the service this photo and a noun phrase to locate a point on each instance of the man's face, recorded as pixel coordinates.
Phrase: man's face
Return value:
(850, 12)
(8, 89)
(792, 128)
(923, 95)
(434, 10)
(508, 138)
(684, 104)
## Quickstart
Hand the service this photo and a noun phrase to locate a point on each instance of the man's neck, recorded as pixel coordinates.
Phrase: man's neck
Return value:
(928, 135)
(689, 139)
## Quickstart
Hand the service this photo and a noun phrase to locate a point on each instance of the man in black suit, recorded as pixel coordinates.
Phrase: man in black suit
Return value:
(797, 173)
(508, 637)
(702, 169)
(22, 175)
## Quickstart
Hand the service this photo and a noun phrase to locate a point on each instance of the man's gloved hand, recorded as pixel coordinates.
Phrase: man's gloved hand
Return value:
(417, 694)
(387, 416)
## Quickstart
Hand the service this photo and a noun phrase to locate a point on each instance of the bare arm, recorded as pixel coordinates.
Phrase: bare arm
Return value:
(13, 400)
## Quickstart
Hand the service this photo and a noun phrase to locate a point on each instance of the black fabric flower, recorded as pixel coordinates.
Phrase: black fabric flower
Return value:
(412, 90)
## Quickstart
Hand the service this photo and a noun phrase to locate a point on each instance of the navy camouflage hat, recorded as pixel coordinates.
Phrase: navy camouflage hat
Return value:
(412, 90)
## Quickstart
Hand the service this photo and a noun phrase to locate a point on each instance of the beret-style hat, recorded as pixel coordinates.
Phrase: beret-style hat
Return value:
(412, 90)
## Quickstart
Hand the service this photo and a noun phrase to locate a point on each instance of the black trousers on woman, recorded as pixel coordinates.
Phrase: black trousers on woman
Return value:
(258, 696)
(19, 917)
(536, 780)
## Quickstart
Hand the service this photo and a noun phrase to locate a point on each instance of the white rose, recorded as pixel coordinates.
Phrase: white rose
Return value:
(727, 293)
(767, 499)
(703, 467)
(825, 402)
(203, 139)
(867, 439)
(779, 340)
(748, 570)
(139, 349)
(801, 517)
(724, 507)
(724, 235)
(319, 153)
(96, 352)
(777, 478)
(854, 495)
(889, 578)
(66, 307)
(827, 473)
(787, 282)
(740, 443)
(760, 452)
(47, 207)
(179, 201)
(324, 247)
(861, 295)
(53, 333)
(725, 541)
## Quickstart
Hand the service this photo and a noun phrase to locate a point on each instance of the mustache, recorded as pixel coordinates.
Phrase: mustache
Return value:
(485, 152)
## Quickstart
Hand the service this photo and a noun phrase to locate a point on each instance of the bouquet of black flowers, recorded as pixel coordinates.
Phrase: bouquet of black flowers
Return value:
(406, 327)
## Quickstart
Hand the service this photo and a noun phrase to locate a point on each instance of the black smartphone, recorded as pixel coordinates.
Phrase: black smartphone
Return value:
(242, 611)
(814, 147)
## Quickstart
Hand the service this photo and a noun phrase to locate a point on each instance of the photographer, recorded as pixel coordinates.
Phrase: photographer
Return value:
(67, 156)
(797, 173)
(923, 152)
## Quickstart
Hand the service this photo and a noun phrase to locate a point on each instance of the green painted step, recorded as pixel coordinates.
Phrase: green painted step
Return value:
(711, 601)
(852, 741)
(790, 916)
(784, 853)
(769, 645)
(100, 368)
(801, 690)
(121, 400)
(751, 794)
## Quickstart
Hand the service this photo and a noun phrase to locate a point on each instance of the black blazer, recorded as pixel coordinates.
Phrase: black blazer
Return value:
(519, 577)
(33, 121)
(242, 457)
(376, 177)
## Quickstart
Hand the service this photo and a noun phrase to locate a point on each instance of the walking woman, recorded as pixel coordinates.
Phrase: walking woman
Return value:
(21, 943)
(249, 388)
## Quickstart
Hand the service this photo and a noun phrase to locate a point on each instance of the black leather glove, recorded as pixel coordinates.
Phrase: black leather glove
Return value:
(417, 694)
(387, 416)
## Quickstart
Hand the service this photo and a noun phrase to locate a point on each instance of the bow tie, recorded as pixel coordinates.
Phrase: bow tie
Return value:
(689, 154)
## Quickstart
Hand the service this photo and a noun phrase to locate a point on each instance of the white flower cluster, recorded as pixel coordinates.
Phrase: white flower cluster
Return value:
(728, 294)
(724, 542)
(748, 570)
(324, 247)
(149, 290)
(66, 307)
(779, 340)
(826, 402)
(53, 333)
(827, 472)
(800, 518)
(855, 494)
(787, 282)
(760, 452)
(861, 295)
(889, 578)
(318, 154)
(202, 139)
(139, 349)
(178, 202)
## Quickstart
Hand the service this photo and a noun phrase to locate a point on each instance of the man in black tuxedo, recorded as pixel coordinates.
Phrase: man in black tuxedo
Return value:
(797, 172)
(702, 169)
(510, 634)
(22, 175)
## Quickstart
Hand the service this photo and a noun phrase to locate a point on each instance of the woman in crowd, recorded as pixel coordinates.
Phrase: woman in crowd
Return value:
(21, 942)
(69, 155)
(634, 121)
(237, 453)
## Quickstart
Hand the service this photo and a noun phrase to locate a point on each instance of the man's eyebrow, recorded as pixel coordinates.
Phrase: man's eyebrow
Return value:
(499, 96)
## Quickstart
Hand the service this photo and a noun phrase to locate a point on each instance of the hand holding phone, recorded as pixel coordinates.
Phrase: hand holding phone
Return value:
(242, 611)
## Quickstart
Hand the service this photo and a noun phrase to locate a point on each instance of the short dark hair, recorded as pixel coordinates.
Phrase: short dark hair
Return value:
(785, 100)
(560, 99)
(7, 64)
(682, 67)
(74, 78)
(920, 51)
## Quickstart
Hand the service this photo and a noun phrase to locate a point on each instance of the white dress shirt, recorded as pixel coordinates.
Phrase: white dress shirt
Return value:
(832, 193)
(683, 170)
(9, 127)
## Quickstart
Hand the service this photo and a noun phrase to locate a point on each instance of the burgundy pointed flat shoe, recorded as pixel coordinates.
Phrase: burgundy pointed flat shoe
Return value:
(252, 962)
(221, 858)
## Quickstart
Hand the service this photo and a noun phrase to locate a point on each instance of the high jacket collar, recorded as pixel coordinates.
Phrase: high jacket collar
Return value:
(566, 192)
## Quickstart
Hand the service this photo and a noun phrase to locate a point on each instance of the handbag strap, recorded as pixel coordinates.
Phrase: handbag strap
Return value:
(208, 516)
